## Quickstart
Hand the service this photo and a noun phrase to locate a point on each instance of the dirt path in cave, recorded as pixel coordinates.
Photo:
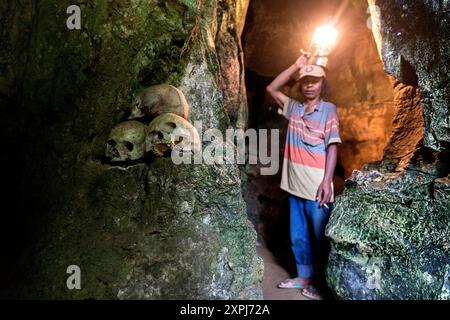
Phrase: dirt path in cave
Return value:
(273, 274)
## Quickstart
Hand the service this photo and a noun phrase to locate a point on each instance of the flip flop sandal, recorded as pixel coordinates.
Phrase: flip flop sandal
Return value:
(311, 293)
(295, 284)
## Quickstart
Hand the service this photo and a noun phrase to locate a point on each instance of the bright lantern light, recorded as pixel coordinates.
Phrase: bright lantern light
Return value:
(322, 44)
(325, 37)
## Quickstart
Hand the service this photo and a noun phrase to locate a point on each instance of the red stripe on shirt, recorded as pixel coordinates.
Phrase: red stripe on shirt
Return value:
(302, 156)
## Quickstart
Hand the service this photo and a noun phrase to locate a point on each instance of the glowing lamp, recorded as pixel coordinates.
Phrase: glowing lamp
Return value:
(322, 44)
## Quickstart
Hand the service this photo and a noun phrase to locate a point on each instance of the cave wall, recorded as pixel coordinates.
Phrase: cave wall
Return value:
(363, 92)
(390, 228)
(151, 230)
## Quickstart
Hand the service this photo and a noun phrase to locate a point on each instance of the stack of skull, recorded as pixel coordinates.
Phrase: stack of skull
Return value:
(168, 130)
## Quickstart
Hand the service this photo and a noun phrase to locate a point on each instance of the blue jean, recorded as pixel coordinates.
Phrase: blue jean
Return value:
(308, 222)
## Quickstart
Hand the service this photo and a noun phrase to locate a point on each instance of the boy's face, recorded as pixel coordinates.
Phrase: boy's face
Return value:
(311, 87)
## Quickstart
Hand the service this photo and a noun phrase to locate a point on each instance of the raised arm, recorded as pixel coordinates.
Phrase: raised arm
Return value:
(275, 87)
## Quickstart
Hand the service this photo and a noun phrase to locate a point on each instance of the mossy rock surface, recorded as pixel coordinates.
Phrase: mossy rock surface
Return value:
(390, 237)
(163, 231)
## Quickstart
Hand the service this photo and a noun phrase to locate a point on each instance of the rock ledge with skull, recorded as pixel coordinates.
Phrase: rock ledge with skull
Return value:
(169, 130)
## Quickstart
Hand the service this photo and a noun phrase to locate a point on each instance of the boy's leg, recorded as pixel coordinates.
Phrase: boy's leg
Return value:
(319, 217)
(300, 237)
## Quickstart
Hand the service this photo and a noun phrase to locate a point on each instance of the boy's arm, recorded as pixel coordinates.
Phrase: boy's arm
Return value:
(331, 140)
(324, 191)
(275, 87)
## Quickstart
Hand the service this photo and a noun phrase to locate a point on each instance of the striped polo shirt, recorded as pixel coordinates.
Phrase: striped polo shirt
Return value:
(307, 137)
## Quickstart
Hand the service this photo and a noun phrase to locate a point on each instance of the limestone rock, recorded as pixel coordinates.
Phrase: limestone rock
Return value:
(390, 236)
(163, 231)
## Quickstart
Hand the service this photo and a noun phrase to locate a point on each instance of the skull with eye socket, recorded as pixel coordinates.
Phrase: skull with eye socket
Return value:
(126, 142)
(171, 132)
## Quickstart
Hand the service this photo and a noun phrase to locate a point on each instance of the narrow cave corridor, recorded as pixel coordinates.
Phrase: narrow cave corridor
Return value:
(273, 35)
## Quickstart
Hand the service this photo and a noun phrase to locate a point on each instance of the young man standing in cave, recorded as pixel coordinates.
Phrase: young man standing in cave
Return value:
(310, 157)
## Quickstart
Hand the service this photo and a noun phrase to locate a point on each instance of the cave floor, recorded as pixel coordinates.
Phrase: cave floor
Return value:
(273, 274)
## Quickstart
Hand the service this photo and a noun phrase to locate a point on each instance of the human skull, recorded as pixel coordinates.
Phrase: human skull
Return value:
(126, 141)
(169, 131)
(159, 99)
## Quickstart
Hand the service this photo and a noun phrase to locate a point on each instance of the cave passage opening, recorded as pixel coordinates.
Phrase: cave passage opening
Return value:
(363, 92)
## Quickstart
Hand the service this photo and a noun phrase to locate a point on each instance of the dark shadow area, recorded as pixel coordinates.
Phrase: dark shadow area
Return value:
(408, 73)
(21, 209)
